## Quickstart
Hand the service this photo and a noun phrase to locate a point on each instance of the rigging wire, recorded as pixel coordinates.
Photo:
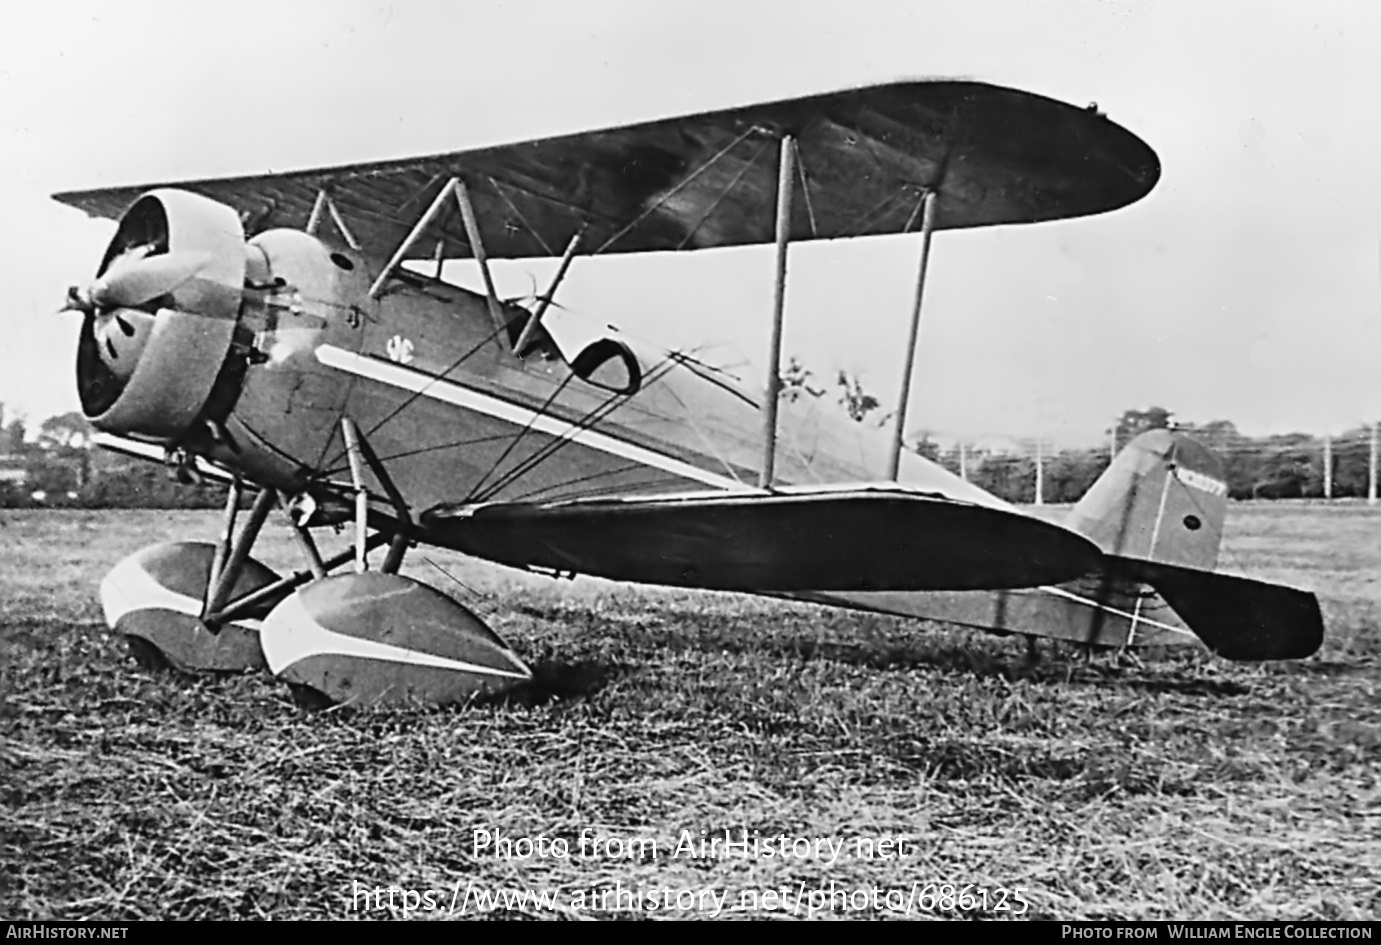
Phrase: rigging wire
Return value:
(513, 443)
(553, 446)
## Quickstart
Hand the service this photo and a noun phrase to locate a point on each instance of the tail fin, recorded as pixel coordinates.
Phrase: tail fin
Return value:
(1164, 498)
(1158, 514)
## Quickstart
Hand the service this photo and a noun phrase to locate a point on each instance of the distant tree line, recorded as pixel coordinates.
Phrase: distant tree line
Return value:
(1281, 466)
(61, 466)
(1285, 466)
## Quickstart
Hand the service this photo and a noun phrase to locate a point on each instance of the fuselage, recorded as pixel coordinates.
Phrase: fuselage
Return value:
(455, 416)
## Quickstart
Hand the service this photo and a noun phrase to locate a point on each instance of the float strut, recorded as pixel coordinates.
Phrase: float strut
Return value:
(238, 608)
(304, 541)
(361, 454)
(352, 450)
(402, 538)
(232, 508)
(225, 580)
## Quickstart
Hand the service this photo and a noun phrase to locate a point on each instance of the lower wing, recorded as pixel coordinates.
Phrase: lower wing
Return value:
(883, 548)
(858, 538)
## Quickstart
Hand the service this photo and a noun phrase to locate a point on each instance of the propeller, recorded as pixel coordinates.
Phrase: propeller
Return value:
(118, 300)
(135, 277)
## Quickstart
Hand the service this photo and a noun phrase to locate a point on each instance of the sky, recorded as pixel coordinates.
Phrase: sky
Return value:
(1246, 286)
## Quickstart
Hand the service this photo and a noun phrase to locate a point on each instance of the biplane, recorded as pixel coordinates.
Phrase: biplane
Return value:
(288, 334)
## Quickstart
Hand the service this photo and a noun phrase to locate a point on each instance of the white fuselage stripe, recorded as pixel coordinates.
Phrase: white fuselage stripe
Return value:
(405, 378)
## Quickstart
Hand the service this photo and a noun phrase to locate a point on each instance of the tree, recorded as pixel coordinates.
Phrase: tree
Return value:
(52, 475)
(1239, 455)
(1070, 473)
(858, 402)
(139, 484)
(795, 382)
(1011, 478)
(15, 433)
(928, 448)
(66, 431)
(1351, 462)
(1134, 422)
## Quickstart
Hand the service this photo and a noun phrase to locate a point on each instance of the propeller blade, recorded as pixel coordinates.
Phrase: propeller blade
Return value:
(132, 282)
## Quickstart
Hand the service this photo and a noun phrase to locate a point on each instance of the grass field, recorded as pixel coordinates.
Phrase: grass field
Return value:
(1165, 786)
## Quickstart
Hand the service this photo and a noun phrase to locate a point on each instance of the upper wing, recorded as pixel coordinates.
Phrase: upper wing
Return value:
(994, 155)
(849, 538)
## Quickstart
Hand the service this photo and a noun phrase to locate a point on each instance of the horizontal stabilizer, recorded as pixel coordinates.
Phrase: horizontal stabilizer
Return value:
(1239, 618)
(864, 539)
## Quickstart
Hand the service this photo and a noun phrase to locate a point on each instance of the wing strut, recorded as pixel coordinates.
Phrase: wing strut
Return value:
(472, 233)
(454, 187)
(545, 300)
(323, 205)
(318, 208)
(432, 213)
(439, 257)
(786, 178)
(927, 209)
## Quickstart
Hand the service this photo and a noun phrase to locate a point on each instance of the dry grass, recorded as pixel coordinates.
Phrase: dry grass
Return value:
(1176, 785)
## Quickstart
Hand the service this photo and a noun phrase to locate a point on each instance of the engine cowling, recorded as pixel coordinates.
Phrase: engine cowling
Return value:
(160, 316)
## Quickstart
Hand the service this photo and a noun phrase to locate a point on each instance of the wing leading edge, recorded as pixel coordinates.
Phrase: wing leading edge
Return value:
(993, 155)
(853, 539)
